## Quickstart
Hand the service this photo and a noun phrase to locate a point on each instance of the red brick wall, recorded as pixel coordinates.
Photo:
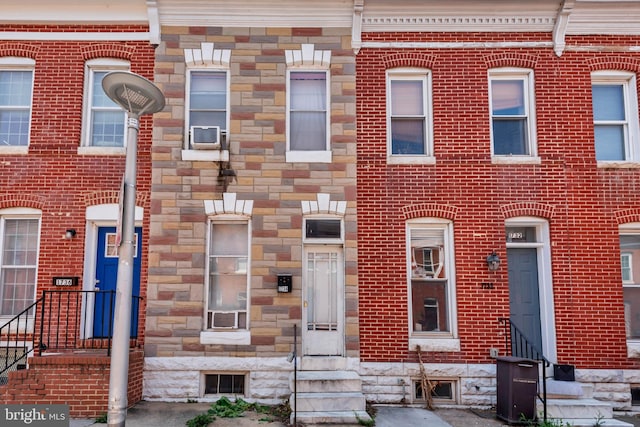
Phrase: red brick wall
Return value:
(583, 204)
(82, 382)
(52, 176)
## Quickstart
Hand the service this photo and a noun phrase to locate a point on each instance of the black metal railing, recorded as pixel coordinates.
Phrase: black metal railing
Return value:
(62, 320)
(16, 338)
(517, 344)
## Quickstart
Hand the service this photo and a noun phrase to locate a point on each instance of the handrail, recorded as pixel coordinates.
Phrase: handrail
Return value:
(517, 344)
(15, 337)
(62, 320)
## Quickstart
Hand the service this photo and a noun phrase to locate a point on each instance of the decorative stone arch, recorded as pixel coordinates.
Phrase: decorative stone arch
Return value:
(324, 205)
(207, 57)
(430, 210)
(521, 209)
(229, 205)
(308, 57)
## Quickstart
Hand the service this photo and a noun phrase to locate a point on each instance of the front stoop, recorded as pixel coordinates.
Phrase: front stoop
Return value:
(581, 410)
(328, 397)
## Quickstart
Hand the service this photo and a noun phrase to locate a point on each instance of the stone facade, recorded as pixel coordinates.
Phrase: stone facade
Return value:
(270, 189)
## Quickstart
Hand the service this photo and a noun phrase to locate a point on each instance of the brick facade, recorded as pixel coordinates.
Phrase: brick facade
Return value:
(80, 381)
(582, 202)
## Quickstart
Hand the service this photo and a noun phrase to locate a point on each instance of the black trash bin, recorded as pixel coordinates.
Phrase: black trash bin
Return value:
(517, 388)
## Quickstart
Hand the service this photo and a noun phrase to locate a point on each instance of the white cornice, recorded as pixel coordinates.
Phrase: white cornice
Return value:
(256, 13)
(74, 12)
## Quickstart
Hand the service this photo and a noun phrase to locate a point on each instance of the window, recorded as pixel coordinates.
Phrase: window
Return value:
(408, 113)
(308, 112)
(630, 251)
(104, 124)
(208, 101)
(228, 275)
(430, 287)
(442, 391)
(615, 116)
(626, 262)
(19, 240)
(512, 110)
(16, 86)
(224, 384)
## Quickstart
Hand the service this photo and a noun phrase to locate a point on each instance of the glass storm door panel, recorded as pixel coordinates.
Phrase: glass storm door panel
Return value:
(323, 301)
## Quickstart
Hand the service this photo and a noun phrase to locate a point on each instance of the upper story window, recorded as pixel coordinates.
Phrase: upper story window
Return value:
(19, 243)
(511, 98)
(104, 121)
(615, 116)
(308, 105)
(207, 104)
(409, 128)
(16, 91)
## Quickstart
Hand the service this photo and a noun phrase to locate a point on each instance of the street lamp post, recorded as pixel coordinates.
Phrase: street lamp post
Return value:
(138, 96)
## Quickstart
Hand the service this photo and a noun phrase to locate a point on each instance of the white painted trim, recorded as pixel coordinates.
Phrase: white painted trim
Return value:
(68, 36)
(435, 344)
(457, 45)
(226, 337)
(205, 155)
(308, 156)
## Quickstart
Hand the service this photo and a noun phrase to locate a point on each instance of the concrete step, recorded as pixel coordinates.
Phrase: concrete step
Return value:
(566, 409)
(327, 381)
(323, 363)
(583, 422)
(333, 401)
(309, 419)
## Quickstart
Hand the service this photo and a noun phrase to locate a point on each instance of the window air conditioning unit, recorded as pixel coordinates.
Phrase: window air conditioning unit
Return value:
(205, 137)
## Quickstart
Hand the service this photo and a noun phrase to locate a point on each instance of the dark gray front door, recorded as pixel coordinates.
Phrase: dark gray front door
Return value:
(524, 296)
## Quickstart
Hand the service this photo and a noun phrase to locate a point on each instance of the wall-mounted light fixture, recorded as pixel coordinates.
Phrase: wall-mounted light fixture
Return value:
(70, 233)
(493, 261)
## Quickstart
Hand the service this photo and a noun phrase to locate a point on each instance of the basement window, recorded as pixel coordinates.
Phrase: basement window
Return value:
(443, 391)
(635, 394)
(224, 384)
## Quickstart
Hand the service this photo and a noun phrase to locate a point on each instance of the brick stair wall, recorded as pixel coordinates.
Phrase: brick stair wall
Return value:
(80, 381)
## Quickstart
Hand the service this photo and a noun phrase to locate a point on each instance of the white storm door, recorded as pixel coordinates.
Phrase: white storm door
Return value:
(323, 301)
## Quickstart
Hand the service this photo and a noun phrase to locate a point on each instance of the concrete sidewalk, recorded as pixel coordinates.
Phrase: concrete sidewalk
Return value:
(167, 414)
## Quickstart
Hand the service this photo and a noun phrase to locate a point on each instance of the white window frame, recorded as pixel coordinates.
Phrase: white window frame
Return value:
(630, 124)
(187, 101)
(442, 340)
(11, 63)
(628, 268)
(226, 336)
(316, 156)
(527, 77)
(412, 74)
(91, 67)
(20, 214)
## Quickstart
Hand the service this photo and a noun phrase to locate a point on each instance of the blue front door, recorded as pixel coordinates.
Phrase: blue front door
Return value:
(106, 276)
